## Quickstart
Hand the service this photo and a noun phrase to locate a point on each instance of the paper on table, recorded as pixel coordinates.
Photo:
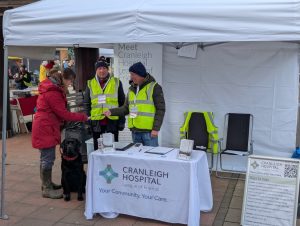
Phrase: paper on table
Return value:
(159, 150)
(242, 153)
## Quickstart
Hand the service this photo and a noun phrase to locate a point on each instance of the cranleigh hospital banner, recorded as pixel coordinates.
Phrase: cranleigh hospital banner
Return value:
(137, 188)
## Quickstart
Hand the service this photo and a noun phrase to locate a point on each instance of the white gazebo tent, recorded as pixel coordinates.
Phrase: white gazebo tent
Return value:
(251, 64)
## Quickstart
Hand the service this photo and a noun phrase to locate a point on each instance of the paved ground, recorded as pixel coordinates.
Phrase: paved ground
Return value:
(25, 206)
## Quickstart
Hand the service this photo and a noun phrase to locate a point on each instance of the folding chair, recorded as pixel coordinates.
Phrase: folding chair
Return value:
(18, 122)
(197, 131)
(237, 139)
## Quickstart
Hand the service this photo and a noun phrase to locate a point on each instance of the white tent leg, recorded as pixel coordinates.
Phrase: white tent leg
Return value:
(4, 118)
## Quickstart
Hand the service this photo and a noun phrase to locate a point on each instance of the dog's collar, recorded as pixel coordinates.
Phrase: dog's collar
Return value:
(69, 158)
(66, 157)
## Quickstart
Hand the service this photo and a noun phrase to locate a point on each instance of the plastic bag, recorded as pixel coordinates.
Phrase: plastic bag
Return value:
(296, 153)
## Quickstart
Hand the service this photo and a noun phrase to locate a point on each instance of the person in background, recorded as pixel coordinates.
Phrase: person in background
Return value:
(103, 92)
(50, 115)
(145, 105)
(14, 68)
(45, 67)
(66, 63)
(56, 65)
(71, 64)
(23, 78)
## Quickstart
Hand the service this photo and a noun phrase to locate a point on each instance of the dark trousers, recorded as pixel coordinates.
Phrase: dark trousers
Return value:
(96, 135)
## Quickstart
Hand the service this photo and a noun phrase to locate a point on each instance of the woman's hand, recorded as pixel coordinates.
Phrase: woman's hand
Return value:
(107, 113)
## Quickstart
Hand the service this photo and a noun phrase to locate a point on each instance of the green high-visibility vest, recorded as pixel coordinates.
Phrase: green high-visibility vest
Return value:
(143, 101)
(211, 129)
(111, 93)
(28, 84)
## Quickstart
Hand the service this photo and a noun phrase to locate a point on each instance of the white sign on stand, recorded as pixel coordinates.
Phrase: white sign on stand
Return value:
(271, 191)
(185, 150)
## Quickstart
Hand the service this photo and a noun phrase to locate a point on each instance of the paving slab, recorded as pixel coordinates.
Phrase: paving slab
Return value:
(25, 206)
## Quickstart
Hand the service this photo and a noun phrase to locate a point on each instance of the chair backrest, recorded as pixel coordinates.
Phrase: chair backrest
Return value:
(198, 131)
(238, 131)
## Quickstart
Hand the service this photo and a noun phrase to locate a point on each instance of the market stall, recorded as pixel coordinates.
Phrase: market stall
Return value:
(246, 56)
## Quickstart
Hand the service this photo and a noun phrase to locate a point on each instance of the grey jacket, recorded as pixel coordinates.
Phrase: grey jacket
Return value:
(159, 103)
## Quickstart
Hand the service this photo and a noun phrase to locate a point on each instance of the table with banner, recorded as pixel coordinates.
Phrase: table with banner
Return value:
(149, 184)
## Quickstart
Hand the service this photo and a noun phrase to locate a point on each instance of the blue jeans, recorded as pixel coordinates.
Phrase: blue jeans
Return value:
(47, 158)
(144, 138)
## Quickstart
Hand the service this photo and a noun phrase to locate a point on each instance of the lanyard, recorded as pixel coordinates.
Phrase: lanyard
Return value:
(136, 93)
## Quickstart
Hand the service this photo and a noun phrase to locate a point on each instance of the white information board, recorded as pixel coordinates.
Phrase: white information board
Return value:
(271, 191)
(126, 54)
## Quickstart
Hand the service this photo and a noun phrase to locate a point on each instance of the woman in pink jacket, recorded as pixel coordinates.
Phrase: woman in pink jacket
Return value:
(50, 115)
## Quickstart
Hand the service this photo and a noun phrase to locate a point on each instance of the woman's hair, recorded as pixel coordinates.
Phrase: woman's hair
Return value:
(58, 76)
(69, 74)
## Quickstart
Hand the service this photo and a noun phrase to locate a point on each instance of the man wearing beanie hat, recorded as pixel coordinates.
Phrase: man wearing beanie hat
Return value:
(139, 69)
(102, 93)
(145, 105)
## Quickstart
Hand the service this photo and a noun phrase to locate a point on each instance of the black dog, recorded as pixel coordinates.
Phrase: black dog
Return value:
(73, 177)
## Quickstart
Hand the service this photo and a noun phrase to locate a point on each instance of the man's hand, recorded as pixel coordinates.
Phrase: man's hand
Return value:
(107, 113)
(154, 133)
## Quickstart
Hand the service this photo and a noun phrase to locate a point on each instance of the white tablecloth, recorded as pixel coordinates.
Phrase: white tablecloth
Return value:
(158, 187)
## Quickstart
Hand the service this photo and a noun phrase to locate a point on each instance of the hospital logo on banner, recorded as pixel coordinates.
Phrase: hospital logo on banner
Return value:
(108, 173)
(254, 165)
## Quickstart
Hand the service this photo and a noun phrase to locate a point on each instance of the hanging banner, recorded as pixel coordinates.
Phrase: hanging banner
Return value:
(127, 54)
(271, 191)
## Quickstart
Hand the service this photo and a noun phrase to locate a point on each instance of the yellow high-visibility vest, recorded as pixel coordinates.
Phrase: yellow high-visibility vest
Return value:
(43, 73)
(143, 101)
(111, 93)
(28, 84)
(211, 129)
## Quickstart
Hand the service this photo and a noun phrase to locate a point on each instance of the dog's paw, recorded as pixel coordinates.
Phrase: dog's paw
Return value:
(67, 197)
(80, 198)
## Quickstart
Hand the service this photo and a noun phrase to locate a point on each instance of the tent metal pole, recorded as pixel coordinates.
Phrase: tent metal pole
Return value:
(4, 118)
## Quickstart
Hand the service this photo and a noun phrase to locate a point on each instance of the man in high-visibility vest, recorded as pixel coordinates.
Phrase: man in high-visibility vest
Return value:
(145, 105)
(102, 93)
(23, 79)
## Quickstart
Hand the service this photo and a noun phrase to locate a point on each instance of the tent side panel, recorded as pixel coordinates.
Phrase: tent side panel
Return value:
(256, 78)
